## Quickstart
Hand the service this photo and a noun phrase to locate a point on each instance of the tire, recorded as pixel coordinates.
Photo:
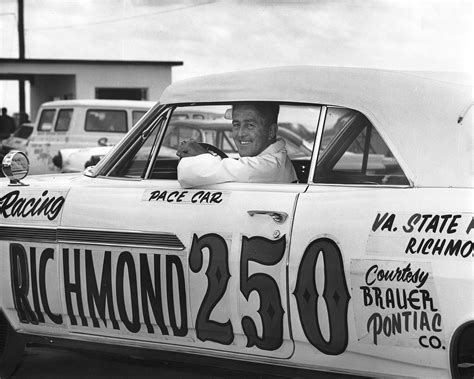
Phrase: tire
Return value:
(12, 346)
(462, 355)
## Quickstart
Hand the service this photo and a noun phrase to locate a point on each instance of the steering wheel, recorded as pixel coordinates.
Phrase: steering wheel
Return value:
(213, 150)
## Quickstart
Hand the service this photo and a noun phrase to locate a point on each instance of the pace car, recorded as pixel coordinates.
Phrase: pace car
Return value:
(365, 265)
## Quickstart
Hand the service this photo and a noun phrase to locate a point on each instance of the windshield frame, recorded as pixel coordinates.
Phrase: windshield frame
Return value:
(106, 164)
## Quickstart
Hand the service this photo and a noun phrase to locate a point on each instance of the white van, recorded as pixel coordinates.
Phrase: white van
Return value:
(79, 123)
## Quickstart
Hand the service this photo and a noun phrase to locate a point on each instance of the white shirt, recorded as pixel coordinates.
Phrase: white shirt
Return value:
(272, 165)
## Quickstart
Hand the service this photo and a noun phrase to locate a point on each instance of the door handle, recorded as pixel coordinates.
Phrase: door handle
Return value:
(278, 217)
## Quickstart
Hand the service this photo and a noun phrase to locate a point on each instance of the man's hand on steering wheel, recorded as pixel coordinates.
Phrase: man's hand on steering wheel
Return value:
(213, 150)
(191, 148)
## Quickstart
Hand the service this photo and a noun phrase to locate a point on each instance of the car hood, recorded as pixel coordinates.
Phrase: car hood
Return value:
(50, 180)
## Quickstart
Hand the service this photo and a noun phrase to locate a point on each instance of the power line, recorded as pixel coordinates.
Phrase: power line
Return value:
(111, 21)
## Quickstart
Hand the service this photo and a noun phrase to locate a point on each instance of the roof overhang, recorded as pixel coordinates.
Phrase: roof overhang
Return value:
(89, 62)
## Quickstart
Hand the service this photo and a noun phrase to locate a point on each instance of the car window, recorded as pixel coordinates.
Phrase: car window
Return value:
(208, 124)
(137, 115)
(102, 120)
(135, 163)
(24, 131)
(63, 120)
(178, 132)
(353, 152)
(228, 144)
(46, 120)
(213, 128)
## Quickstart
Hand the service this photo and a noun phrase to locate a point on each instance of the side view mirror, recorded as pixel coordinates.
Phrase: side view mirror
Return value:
(15, 166)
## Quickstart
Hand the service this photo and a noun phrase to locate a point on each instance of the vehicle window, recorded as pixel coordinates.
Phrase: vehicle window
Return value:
(178, 132)
(63, 120)
(136, 160)
(353, 152)
(46, 120)
(216, 130)
(110, 121)
(208, 124)
(228, 144)
(178, 116)
(137, 115)
(24, 131)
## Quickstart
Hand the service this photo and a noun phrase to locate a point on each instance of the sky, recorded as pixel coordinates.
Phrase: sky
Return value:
(212, 36)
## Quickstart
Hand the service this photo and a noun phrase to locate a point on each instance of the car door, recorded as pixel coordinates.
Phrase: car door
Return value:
(364, 271)
(200, 269)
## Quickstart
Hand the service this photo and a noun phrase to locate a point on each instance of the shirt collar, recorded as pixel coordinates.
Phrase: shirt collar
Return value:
(275, 147)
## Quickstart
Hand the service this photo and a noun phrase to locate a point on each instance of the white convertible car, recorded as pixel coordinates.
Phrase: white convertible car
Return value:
(364, 266)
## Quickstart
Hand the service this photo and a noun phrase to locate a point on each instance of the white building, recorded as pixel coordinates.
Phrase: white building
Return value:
(55, 79)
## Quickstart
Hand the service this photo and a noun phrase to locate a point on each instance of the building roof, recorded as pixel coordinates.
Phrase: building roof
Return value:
(100, 103)
(405, 107)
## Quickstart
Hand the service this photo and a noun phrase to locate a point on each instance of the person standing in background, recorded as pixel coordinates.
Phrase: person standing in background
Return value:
(7, 124)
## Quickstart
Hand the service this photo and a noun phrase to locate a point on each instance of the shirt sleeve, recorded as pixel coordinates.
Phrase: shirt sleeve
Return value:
(205, 169)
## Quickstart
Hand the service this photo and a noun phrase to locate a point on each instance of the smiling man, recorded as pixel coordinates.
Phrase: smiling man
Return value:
(263, 156)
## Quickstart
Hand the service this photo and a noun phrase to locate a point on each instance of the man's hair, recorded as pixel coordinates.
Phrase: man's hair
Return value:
(268, 110)
(4, 110)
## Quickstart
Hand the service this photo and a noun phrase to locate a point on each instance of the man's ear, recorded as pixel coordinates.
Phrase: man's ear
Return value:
(272, 132)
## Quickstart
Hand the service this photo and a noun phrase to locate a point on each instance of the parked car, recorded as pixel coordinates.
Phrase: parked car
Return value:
(76, 159)
(76, 124)
(18, 140)
(363, 266)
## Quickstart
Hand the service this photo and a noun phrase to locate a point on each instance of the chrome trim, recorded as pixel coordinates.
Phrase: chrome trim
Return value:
(278, 217)
(164, 120)
(28, 234)
(363, 185)
(317, 143)
(144, 246)
(117, 238)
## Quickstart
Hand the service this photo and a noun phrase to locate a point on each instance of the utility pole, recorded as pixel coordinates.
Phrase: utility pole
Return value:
(21, 47)
(21, 30)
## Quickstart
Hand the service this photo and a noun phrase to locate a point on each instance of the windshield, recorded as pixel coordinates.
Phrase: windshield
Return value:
(24, 131)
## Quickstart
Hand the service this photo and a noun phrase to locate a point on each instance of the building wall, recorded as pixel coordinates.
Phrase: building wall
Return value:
(53, 80)
(153, 78)
(50, 87)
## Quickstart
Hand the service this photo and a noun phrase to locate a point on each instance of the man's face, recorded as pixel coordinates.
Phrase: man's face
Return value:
(249, 130)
